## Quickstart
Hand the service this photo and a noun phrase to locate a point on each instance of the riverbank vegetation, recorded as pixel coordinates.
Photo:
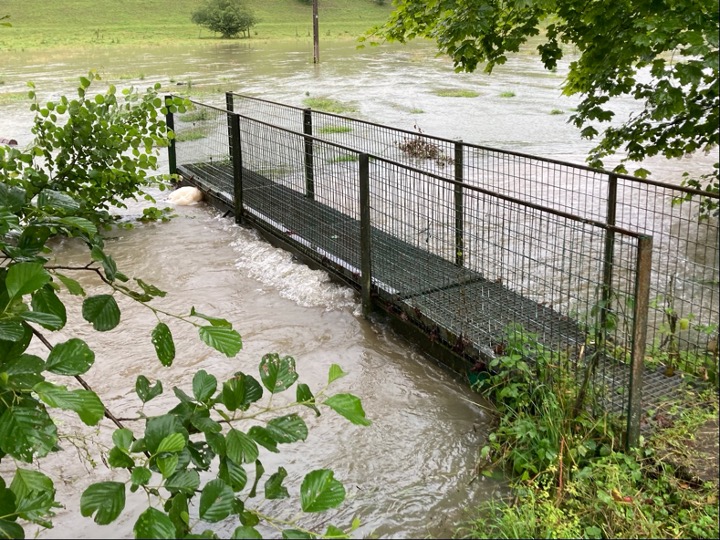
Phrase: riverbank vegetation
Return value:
(199, 458)
(572, 476)
(72, 23)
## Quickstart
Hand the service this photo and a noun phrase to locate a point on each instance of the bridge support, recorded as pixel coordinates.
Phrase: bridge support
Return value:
(365, 236)
(309, 159)
(170, 123)
(643, 270)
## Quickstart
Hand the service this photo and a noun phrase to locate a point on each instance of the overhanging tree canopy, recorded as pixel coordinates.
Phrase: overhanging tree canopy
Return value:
(663, 53)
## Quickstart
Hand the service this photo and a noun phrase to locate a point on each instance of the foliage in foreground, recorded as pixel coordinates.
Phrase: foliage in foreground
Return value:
(570, 479)
(199, 462)
(663, 53)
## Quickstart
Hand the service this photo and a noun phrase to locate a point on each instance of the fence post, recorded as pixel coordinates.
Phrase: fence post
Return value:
(170, 123)
(640, 322)
(229, 106)
(237, 165)
(459, 210)
(309, 166)
(609, 258)
(365, 236)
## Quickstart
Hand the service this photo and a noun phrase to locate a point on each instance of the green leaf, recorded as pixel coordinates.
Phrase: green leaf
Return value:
(277, 373)
(122, 438)
(222, 339)
(250, 533)
(84, 402)
(288, 429)
(174, 442)
(233, 474)
(259, 471)
(146, 392)
(304, 396)
(72, 357)
(149, 289)
(71, 285)
(141, 476)
(273, 485)
(27, 431)
(25, 277)
(214, 321)
(101, 311)
(57, 200)
(240, 392)
(159, 427)
(186, 481)
(34, 494)
(240, 447)
(179, 514)
(335, 373)
(46, 320)
(83, 225)
(46, 301)
(204, 385)
(119, 459)
(348, 406)
(320, 491)
(105, 499)
(164, 345)
(334, 532)
(153, 523)
(294, 534)
(216, 501)
(263, 437)
(167, 464)
(8, 529)
(11, 330)
(12, 197)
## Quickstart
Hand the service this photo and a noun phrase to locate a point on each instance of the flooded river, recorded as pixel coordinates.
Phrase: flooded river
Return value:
(407, 475)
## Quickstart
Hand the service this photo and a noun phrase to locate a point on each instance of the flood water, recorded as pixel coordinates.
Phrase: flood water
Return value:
(407, 475)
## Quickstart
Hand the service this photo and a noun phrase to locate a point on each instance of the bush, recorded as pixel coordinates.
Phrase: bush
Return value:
(228, 17)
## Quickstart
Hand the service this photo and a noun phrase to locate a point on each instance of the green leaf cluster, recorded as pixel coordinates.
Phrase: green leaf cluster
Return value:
(90, 155)
(661, 53)
(221, 429)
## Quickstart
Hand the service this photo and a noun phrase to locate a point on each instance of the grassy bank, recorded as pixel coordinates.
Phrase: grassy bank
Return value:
(570, 473)
(69, 23)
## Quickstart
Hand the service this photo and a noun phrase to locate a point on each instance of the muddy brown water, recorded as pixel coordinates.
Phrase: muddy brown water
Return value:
(407, 475)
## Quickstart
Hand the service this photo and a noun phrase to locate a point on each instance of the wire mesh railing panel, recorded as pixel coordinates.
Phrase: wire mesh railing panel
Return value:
(685, 285)
(277, 114)
(560, 186)
(416, 149)
(306, 190)
(202, 147)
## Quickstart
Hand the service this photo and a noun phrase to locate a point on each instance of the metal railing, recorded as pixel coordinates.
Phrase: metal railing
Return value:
(459, 261)
(685, 283)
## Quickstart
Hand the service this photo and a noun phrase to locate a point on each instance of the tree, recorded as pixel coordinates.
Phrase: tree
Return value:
(227, 17)
(663, 53)
(194, 459)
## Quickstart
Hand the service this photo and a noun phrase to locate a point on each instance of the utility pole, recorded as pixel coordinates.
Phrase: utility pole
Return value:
(316, 32)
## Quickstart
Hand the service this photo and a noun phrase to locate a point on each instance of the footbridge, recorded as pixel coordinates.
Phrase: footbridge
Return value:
(460, 244)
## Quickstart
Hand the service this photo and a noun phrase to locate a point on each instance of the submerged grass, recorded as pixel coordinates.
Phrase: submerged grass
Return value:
(327, 130)
(326, 104)
(456, 92)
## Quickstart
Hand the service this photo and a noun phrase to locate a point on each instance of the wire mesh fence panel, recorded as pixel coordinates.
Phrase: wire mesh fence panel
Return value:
(685, 286)
(202, 147)
(686, 312)
(282, 116)
(575, 190)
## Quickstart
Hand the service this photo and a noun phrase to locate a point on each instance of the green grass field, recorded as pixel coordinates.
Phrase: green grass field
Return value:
(70, 23)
